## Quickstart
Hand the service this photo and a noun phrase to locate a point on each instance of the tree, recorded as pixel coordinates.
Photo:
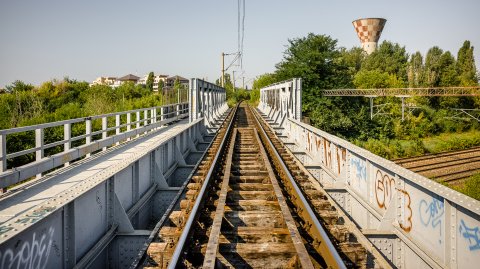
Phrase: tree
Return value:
(18, 85)
(448, 72)
(432, 67)
(264, 80)
(415, 70)
(150, 81)
(371, 79)
(322, 65)
(466, 65)
(353, 59)
(389, 57)
(317, 60)
(160, 85)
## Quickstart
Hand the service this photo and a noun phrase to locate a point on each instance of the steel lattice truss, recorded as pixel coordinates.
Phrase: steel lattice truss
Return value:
(446, 91)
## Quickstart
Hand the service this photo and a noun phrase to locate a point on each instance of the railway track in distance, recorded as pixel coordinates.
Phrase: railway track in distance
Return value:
(451, 167)
(250, 204)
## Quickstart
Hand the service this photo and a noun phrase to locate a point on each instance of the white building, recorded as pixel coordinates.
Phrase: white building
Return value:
(104, 81)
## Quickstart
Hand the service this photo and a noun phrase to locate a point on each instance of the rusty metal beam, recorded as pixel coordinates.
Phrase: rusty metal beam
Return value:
(405, 92)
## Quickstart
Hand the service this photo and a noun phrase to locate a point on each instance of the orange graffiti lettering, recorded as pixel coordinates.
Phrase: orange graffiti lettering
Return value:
(328, 154)
(383, 189)
(408, 225)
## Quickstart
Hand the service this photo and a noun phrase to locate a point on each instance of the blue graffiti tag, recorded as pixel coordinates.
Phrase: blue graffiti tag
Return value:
(471, 234)
(431, 213)
(361, 170)
(4, 229)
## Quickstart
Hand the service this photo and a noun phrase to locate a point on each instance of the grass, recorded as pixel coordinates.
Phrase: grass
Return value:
(471, 187)
(452, 141)
(394, 149)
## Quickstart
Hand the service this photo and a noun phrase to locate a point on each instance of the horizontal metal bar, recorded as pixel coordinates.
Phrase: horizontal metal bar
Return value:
(77, 120)
(81, 151)
(405, 92)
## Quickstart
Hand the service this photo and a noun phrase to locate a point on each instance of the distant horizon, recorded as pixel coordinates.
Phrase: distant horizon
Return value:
(109, 38)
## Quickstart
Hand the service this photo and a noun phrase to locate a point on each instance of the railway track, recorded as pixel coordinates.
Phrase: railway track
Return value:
(446, 167)
(250, 204)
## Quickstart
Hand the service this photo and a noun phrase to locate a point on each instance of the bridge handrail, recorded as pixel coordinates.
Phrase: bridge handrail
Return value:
(437, 188)
(290, 91)
(427, 216)
(76, 120)
(151, 119)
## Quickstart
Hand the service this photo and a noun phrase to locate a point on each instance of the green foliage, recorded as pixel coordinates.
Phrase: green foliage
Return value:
(149, 83)
(322, 65)
(371, 79)
(264, 80)
(471, 187)
(20, 86)
(390, 58)
(416, 71)
(161, 84)
(60, 100)
(466, 65)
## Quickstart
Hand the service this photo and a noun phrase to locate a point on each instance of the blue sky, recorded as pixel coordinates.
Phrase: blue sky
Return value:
(43, 40)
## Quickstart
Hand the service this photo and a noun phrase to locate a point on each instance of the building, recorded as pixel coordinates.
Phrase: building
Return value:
(369, 31)
(104, 81)
(170, 81)
(157, 79)
(129, 77)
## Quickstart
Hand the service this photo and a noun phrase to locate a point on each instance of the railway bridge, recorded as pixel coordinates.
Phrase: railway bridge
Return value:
(197, 184)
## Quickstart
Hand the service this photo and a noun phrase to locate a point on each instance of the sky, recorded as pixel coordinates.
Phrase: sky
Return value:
(52, 39)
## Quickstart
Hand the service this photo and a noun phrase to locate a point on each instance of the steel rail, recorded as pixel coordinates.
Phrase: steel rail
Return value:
(435, 155)
(444, 164)
(186, 229)
(302, 253)
(325, 247)
(177, 197)
(213, 239)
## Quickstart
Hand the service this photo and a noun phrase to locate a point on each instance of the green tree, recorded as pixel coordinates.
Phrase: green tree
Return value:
(322, 65)
(389, 57)
(150, 81)
(433, 67)
(317, 60)
(20, 86)
(353, 59)
(448, 72)
(371, 79)
(160, 85)
(264, 80)
(466, 65)
(415, 70)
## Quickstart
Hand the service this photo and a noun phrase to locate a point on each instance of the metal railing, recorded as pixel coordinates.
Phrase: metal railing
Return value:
(115, 128)
(444, 91)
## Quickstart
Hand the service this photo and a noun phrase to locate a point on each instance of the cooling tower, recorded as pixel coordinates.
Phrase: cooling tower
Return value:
(369, 31)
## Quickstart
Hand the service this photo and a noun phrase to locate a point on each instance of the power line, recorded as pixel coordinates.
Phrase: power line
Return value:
(243, 35)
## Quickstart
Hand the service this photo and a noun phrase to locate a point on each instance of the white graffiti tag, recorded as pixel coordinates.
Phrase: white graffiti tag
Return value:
(28, 254)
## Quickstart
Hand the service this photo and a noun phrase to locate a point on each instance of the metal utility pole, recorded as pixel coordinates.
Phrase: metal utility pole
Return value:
(223, 69)
(233, 80)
